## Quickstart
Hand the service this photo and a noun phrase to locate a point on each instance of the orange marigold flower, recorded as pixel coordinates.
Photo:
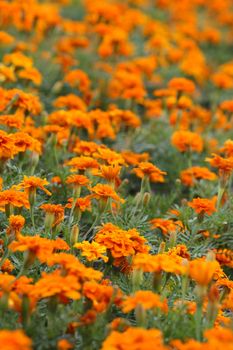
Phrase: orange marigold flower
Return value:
(134, 338)
(109, 172)
(92, 251)
(18, 59)
(104, 192)
(23, 141)
(13, 198)
(110, 156)
(182, 85)
(31, 74)
(151, 171)
(160, 262)
(185, 140)
(203, 205)
(55, 211)
(72, 266)
(82, 163)
(31, 183)
(86, 148)
(132, 158)
(7, 146)
(82, 203)
(70, 101)
(55, 284)
(15, 340)
(145, 298)
(119, 242)
(202, 271)
(38, 246)
(188, 176)
(225, 165)
(99, 294)
(16, 223)
(166, 225)
(77, 180)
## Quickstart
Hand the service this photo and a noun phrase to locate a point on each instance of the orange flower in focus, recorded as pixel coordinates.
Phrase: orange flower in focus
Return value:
(31, 183)
(203, 205)
(77, 180)
(92, 251)
(13, 198)
(186, 141)
(146, 169)
(16, 223)
(145, 298)
(14, 340)
(100, 295)
(121, 243)
(104, 192)
(37, 246)
(55, 284)
(202, 271)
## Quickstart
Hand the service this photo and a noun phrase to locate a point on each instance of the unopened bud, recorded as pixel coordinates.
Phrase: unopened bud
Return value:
(137, 278)
(74, 234)
(146, 198)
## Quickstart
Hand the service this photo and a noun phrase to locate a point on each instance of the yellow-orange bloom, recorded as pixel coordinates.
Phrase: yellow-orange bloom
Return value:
(202, 271)
(92, 251)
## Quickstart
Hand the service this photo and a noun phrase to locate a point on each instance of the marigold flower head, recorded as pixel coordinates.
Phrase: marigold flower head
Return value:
(182, 85)
(166, 225)
(160, 262)
(92, 251)
(151, 171)
(202, 271)
(16, 223)
(99, 294)
(188, 176)
(77, 180)
(134, 338)
(147, 299)
(31, 183)
(82, 203)
(72, 266)
(55, 210)
(121, 243)
(14, 198)
(187, 141)
(82, 163)
(104, 192)
(7, 146)
(203, 205)
(55, 284)
(225, 165)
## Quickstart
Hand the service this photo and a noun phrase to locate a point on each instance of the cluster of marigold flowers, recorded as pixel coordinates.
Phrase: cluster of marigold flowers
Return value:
(76, 95)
